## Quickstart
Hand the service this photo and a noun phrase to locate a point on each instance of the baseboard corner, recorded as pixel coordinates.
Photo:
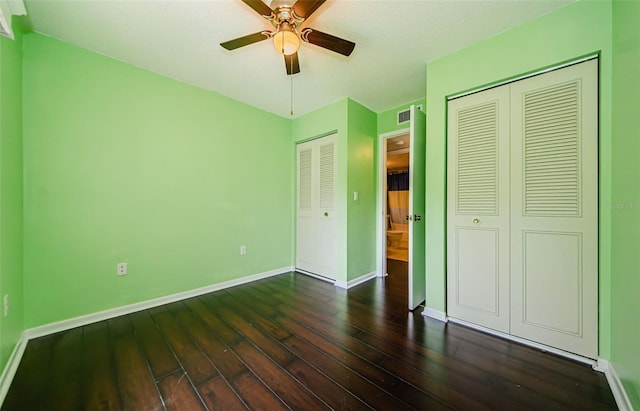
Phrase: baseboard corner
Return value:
(601, 365)
(617, 389)
(12, 366)
(356, 281)
(435, 314)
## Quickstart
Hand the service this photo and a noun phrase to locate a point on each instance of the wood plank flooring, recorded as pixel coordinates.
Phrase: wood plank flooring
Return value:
(294, 342)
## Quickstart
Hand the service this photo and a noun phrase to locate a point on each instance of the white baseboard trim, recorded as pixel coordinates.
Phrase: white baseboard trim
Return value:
(435, 314)
(12, 366)
(316, 276)
(542, 347)
(143, 305)
(356, 281)
(617, 389)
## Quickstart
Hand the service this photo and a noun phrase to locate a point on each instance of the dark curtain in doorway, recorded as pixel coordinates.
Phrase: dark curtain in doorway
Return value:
(398, 182)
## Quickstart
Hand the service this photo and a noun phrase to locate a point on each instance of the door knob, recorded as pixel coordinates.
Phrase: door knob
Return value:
(326, 214)
(476, 221)
(417, 218)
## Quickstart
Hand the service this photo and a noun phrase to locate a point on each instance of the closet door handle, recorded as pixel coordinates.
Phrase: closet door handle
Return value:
(326, 214)
(476, 221)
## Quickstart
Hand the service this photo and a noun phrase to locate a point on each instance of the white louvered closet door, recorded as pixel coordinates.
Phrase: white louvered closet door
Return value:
(316, 222)
(554, 232)
(478, 209)
(522, 209)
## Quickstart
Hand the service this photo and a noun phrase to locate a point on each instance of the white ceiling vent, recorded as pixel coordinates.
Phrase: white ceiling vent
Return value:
(404, 116)
(8, 9)
(5, 29)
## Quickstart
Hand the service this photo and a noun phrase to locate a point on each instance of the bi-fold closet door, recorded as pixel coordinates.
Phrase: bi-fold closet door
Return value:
(316, 207)
(522, 184)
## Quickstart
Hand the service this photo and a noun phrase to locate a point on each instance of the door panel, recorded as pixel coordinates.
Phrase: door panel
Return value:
(305, 243)
(478, 270)
(417, 167)
(327, 251)
(478, 209)
(554, 222)
(552, 267)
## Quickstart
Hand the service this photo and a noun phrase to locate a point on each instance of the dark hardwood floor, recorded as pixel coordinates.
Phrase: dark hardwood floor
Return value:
(294, 342)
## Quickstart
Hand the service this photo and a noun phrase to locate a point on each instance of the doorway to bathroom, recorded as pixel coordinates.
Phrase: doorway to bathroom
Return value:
(401, 206)
(397, 205)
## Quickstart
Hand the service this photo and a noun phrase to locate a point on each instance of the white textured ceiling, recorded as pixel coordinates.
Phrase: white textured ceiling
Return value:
(180, 39)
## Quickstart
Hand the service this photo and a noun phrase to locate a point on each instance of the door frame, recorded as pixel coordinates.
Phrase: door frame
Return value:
(381, 206)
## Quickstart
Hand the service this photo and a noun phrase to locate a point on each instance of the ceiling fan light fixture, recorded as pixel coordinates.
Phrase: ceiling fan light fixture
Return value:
(286, 40)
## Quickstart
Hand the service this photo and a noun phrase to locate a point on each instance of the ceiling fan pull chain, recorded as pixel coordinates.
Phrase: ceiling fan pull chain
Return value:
(291, 78)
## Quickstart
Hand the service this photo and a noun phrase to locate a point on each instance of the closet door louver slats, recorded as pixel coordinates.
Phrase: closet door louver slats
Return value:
(327, 177)
(477, 160)
(304, 190)
(551, 128)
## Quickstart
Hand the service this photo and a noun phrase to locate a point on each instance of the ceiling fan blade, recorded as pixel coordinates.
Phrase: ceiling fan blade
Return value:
(327, 41)
(292, 64)
(261, 8)
(246, 40)
(304, 8)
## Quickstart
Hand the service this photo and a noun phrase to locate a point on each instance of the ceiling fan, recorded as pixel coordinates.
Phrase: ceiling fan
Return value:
(286, 16)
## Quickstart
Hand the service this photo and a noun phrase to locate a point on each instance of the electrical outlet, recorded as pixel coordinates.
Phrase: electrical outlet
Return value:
(243, 249)
(122, 269)
(6, 304)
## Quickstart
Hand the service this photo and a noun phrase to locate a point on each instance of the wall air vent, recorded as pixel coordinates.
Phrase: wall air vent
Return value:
(404, 116)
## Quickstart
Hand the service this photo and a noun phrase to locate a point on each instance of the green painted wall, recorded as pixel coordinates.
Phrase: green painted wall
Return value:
(11, 187)
(123, 165)
(625, 198)
(361, 214)
(388, 121)
(578, 29)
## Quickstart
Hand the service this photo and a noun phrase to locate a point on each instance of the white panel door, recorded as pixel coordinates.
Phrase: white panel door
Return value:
(326, 246)
(417, 166)
(554, 208)
(316, 223)
(478, 209)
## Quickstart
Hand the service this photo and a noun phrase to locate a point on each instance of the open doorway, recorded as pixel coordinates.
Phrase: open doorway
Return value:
(410, 141)
(395, 176)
